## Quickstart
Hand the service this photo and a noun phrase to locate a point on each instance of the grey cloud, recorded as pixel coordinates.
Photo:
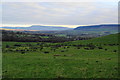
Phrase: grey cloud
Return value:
(61, 13)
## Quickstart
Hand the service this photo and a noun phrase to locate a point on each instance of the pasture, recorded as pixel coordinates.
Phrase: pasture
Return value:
(96, 58)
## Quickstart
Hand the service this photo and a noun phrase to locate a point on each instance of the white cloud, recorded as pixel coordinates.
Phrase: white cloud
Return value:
(60, 13)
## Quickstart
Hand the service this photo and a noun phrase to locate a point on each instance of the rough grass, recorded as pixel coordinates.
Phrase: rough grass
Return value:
(70, 63)
(109, 39)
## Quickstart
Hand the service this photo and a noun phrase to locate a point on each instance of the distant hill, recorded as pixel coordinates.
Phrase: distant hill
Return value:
(105, 27)
(39, 27)
(91, 30)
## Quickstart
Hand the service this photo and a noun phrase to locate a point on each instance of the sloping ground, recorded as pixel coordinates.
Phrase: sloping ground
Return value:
(62, 62)
(106, 27)
(109, 39)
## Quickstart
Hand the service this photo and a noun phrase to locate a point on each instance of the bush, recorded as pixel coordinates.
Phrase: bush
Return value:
(7, 46)
(46, 52)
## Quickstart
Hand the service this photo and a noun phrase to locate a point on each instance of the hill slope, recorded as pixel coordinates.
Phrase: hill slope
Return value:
(109, 39)
(112, 28)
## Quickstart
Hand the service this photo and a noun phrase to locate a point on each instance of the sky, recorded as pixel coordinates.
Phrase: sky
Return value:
(66, 14)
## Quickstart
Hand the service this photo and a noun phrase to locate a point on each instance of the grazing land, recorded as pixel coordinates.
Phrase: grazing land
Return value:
(93, 58)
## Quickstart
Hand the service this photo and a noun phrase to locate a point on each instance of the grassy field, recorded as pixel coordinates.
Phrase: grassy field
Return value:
(95, 58)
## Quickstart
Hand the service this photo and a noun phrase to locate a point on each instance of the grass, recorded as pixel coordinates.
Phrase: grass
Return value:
(109, 39)
(71, 62)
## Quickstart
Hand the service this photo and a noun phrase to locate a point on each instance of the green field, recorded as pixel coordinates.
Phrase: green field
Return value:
(95, 58)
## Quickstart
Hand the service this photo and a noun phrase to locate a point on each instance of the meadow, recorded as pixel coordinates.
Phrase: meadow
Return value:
(94, 58)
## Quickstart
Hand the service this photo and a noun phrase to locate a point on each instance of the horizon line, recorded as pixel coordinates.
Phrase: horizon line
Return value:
(28, 25)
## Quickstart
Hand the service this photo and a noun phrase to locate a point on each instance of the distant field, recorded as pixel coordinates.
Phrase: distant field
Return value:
(95, 58)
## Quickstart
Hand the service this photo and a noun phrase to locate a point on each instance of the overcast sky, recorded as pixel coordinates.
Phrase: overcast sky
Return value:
(59, 13)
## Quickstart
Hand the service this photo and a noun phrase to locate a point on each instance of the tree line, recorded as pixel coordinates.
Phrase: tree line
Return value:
(18, 36)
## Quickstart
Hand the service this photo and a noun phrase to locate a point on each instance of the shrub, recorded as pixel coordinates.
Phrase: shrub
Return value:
(100, 47)
(115, 51)
(46, 52)
(7, 46)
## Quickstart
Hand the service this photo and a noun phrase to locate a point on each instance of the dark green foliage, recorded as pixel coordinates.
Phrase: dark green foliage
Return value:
(22, 52)
(114, 50)
(7, 46)
(106, 49)
(38, 37)
(17, 45)
(100, 47)
(46, 52)
(62, 51)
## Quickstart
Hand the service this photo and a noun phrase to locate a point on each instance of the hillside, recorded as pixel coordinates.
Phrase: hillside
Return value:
(71, 60)
(65, 60)
(107, 28)
(113, 38)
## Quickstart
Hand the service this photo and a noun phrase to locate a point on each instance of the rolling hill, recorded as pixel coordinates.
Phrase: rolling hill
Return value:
(105, 27)
(109, 39)
(39, 27)
(91, 30)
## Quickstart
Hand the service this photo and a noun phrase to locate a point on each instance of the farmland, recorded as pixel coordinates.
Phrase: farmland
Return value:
(94, 58)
